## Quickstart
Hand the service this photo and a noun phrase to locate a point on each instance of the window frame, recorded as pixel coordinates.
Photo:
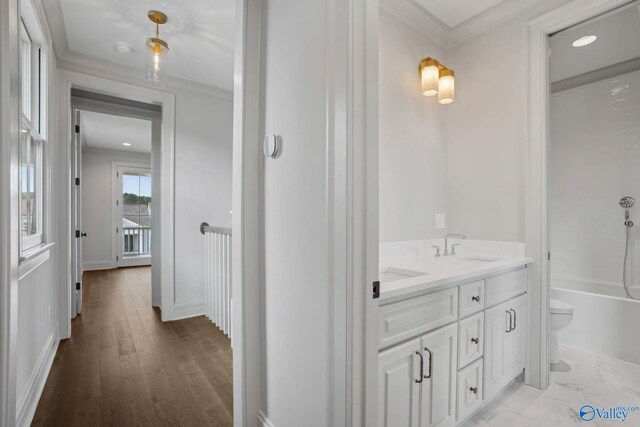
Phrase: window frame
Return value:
(33, 118)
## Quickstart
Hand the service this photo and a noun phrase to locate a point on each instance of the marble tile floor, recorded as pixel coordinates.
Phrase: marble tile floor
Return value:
(594, 379)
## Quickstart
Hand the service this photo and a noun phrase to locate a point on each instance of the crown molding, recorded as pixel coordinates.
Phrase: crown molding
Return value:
(490, 18)
(417, 17)
(79, 62)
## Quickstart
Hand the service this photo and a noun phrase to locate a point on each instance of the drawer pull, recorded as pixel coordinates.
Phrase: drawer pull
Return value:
(475, 340)
(475, 298)
(474, 390)
(430, 357)
(421, 367)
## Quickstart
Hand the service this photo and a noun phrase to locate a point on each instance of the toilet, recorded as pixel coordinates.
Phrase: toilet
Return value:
(561, 315)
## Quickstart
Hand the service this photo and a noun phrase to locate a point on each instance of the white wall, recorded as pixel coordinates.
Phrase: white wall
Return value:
(202, 186)
(594, 160)
(487, 131)
(97, 206)
(413, 157)
(296, 328)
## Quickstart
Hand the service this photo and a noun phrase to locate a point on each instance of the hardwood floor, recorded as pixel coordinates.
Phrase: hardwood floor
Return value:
(123, 367)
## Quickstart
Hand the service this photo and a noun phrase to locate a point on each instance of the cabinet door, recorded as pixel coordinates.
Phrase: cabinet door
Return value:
(516, 340)
(496, 322)
(439, 349)
(398, 391)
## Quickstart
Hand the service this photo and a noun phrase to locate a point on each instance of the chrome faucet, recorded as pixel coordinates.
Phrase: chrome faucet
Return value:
(446, 242)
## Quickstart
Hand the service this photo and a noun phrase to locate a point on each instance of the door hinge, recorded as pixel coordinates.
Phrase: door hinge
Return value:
(117, 202)
(376, 289)
(78, 233)
(548, 256)
(117, 230)
(77, 181)
(77, 286)
(77, 128)
(117, 258)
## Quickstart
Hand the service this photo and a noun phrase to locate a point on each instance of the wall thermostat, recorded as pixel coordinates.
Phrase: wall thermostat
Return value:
(270, 145)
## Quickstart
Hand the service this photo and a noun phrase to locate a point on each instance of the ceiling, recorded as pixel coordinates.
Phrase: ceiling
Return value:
(200, 34)
(106, 131)
(618, 40)
(455, 12)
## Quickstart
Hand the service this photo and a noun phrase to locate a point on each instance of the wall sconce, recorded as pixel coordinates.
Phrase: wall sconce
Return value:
(437, 80)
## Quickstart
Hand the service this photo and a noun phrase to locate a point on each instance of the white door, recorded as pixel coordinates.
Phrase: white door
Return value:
(76, 291)
(516, 340)
(497, 323)
(438, 400)
(134, 207)
(399, 380)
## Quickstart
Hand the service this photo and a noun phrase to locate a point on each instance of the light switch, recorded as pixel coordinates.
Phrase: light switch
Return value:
(440, 222)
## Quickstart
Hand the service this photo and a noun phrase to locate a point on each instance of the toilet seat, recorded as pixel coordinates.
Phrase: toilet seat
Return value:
(560, 307)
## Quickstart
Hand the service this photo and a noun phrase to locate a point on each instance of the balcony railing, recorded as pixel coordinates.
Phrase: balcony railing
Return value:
(136, 241)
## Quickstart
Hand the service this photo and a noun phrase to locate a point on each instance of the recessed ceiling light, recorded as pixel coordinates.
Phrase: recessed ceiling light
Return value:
(126, 144)
(583, 41)
(123, 48)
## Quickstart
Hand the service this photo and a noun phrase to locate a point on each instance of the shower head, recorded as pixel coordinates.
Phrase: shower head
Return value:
(627, 202)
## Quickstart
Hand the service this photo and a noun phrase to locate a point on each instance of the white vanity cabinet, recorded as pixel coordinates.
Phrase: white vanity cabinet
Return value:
(505, 344)
(417, 381)
(444, 354)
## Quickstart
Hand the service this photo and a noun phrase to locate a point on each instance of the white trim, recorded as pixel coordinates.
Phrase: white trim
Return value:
(28, 402)
(33, 261)
(67, 80)
(264, 420)
(536, 216)
(247, 169)
(9, 203)
(182, 310)
(418, 18)
(97, 265)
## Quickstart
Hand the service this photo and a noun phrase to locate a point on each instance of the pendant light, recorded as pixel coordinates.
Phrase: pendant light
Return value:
(157, 54)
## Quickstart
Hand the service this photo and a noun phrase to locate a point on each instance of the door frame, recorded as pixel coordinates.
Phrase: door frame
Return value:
(536, 197)
(165, 245)
(352, 203)
(116, 216)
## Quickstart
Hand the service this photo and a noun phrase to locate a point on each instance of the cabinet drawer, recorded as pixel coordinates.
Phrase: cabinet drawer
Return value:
(505, 286)
(471, 298)
(470, 339)
(469, 390)
(406, 319)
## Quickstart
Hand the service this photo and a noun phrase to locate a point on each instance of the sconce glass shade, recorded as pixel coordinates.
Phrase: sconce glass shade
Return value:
(430, 76)
(156, 58)
(446, 87)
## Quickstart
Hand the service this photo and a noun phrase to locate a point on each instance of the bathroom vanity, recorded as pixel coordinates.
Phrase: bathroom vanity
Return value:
(452, 334)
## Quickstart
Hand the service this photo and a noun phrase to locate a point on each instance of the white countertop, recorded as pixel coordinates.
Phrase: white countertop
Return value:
(404, 276)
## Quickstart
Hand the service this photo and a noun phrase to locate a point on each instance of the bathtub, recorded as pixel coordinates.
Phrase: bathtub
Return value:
(604, 321)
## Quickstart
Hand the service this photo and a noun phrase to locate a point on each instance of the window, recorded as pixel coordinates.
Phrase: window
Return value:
(32, 135)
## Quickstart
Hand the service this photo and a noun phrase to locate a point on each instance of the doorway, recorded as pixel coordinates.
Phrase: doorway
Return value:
(133, 231)
(116, 186)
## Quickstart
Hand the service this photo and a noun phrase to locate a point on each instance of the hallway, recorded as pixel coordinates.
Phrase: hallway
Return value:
(123, 366)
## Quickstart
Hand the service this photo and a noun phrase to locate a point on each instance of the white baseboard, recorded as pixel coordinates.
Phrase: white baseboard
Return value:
(264, 420)
(28, 402)
(97, 265)
(182, 310)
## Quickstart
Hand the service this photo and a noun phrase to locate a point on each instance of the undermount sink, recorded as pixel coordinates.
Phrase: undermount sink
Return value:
(478, 259)
(391, 274)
